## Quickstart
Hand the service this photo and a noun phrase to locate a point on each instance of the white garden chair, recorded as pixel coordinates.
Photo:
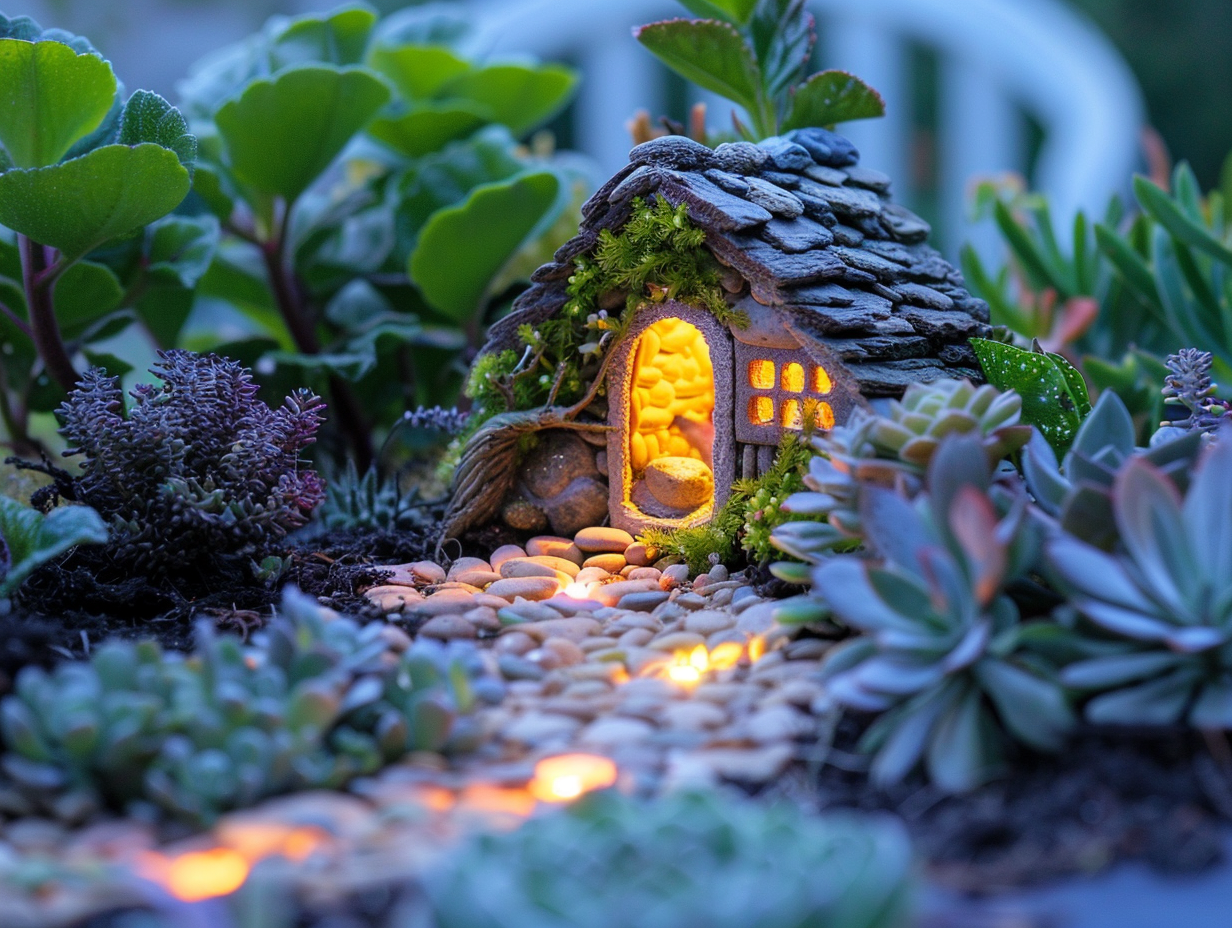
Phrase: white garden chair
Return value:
(1000, 60)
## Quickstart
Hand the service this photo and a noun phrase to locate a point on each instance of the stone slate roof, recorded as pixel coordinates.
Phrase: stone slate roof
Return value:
(813, 234)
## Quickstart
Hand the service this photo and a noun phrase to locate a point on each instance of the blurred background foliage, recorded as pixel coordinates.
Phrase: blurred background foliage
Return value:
(1181, 53)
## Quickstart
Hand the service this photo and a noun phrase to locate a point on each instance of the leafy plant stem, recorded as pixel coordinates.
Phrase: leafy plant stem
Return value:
(288, 295)
(43, 326)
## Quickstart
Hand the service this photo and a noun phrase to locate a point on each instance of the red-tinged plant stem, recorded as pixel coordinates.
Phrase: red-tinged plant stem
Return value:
(43, 326)
(288, 295)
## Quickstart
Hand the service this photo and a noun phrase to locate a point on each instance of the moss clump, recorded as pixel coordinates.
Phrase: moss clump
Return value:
(658, 255)
(747, 518)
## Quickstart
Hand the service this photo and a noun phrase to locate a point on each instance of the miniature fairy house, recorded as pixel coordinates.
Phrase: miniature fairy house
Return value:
(827, 297)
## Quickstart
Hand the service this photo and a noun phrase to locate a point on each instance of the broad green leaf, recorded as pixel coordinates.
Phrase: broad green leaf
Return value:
(230, 287)
(177, 252)
(148, 117)
(781, 33)
(339, 37)
(830, 97)
(1054, 395)
(712, 55)
(736, 12)
(181, 248)
(1168, 213)
(429, 127)
(418, 71)
(518, 96)
(33, 539)
(85, 292)
(463, 247)
(445, 177)
(50, 97)
(78, 205)
(280, 134)
(431, 24)
(213, 189)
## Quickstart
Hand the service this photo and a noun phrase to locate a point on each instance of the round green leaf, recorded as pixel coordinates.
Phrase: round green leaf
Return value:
(418, 71)
(518, 96)
(736, 12)
(280, 134)
(428, 128)
(711, 54)
(830, 97)
(50, 97)
(78, 205)
(148, 117)
(83, 293)
(337, 37)
(463, 247)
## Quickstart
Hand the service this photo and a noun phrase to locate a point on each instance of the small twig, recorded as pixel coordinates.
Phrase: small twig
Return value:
(597, 383)
(556, 382)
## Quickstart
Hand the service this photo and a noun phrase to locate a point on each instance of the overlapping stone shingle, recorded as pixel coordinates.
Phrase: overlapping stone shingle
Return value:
(811, 233)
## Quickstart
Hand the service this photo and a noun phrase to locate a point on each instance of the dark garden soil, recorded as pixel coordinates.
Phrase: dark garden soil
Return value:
(1163, 798)
(64, 610)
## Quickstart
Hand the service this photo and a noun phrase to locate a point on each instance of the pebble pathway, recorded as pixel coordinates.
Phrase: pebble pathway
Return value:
(604, 648)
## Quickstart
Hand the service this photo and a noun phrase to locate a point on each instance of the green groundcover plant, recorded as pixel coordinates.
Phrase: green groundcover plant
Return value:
(338, 201)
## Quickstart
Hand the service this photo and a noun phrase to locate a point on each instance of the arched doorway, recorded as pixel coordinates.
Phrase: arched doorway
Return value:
(671, 396)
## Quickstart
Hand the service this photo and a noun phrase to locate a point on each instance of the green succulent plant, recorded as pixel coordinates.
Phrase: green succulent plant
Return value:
(686, 859)
(371, 501)
(1163, 601)
(941, 655)
(315, 701)
(888, 449)
(1077, 492)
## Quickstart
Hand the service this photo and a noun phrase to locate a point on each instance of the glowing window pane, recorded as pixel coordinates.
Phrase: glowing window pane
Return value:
(821, 381)
(761, 410)
(791, 415)
(761, 375)
(793, 378)
(824, 416)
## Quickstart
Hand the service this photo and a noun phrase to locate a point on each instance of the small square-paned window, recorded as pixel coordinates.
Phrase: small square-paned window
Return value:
(821, 381)
(793, 377)
(761, 374)
(761, 410)
(779, 390)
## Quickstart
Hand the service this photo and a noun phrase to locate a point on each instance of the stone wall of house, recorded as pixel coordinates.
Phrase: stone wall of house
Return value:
(561, 486)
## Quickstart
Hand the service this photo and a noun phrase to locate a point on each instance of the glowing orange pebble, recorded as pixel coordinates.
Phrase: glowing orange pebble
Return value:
(197, 875)
(568, 776)
(497, 800)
